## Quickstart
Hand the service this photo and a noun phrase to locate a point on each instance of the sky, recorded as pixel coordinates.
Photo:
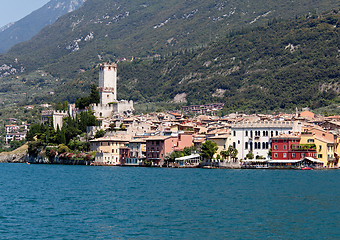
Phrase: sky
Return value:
(14, 10)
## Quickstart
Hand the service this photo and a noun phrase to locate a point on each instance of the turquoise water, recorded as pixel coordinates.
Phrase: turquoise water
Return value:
(83, 202)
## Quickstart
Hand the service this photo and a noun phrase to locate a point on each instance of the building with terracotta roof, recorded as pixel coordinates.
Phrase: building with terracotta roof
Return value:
(288, 147)
(158, 147)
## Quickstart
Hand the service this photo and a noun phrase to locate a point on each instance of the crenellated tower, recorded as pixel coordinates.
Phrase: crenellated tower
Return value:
(108, 83)
(109, 105)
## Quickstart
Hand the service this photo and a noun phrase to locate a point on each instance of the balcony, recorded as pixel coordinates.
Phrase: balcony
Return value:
(303, 147)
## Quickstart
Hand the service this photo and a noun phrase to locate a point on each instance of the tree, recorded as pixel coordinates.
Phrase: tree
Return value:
(250, 155)
(100, 133)
(65, 106)
(208, 149)
(270, 153)
(234, 153)
(187, 151)
(59, 106)
(94, 95)
(225, 154)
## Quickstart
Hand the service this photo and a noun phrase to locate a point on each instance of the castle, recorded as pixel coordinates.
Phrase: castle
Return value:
(109, 105)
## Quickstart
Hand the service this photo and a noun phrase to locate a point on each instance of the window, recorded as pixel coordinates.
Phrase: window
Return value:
(293, 155)
(310, 140)
(246, 133)
(284, 146)
(263, 145)
(284, 140)
(234, 145)
(238, 142)
(275, 147)
(251, 134)
(320, 147)
(267, 145)
(302, 155)
(277, 133)
(234, 133)
(319, 155)
(271, 134)
(246, 146)
(275, 155)
(285, 155)
(264, 133)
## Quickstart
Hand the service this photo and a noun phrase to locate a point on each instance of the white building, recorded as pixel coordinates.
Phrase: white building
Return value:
(109, 105)
(254, 137)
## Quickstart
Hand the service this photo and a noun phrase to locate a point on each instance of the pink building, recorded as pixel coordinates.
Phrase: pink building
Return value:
(158, 147)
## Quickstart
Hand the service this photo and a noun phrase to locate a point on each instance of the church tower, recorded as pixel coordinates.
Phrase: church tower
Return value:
(108, 83)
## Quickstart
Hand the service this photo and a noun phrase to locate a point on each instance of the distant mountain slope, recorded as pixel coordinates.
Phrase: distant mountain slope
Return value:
(209, 51)
(107, 29)
(30, 25)
(281, 66)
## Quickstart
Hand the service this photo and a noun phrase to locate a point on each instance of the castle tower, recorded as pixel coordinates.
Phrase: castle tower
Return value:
(108, 83)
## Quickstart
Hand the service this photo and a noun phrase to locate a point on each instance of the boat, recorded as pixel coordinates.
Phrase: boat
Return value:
(306, 168)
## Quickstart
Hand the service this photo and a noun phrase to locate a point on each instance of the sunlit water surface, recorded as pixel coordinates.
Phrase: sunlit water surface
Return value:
(82, 202)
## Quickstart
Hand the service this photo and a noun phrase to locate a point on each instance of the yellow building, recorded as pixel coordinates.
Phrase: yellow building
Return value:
(222, 141)
(337, 152)
(325, 145)
(108, 149)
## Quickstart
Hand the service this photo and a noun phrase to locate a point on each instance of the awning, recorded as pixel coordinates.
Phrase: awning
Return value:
(284, 161)
(188, 157)
(255, 161)
(313, 160)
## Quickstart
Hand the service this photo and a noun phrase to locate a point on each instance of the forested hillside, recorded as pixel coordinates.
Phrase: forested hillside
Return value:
(244, 53)
(108, 29)
(283, 65)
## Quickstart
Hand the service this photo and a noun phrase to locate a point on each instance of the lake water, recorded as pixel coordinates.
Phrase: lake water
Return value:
(83, 202)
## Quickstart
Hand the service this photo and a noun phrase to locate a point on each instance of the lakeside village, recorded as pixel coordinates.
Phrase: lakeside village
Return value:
(119, 138)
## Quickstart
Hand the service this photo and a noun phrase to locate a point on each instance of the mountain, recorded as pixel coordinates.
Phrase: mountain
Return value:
(30, 25)
(106, 29)
(280, 66)
(248, 39)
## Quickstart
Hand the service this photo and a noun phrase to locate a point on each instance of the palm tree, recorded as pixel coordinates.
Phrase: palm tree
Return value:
(232, 152)
(224, 154)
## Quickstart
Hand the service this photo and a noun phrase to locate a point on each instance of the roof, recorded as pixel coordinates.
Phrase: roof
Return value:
(138, 140)
(220, 136)
(161, 138)
(110, 139)
(287, 136)
(175, 114)
(324, 140)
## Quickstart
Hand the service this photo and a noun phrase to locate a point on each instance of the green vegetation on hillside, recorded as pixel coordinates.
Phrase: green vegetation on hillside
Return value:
(199, 55)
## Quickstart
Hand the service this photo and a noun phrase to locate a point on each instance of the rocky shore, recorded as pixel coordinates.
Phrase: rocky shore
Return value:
(16, 156)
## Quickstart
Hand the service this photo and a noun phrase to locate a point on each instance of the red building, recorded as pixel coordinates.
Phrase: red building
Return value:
(158, 147)
(124, 153)
(288, 147)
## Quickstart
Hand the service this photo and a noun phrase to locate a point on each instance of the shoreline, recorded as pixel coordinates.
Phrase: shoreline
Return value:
(192, 167)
